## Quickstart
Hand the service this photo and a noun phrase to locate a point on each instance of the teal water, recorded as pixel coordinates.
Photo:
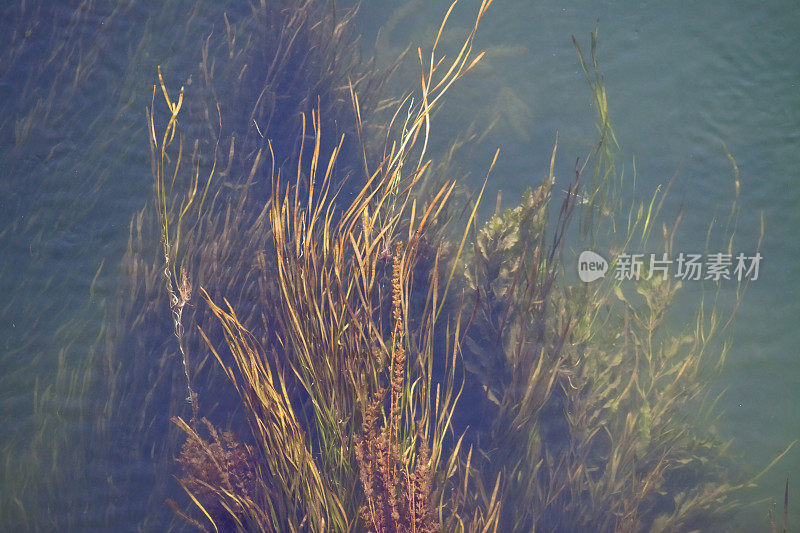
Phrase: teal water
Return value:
(685, 83)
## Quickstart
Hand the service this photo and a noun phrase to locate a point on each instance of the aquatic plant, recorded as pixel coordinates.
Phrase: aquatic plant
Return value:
(210, 181)
(373, 368)
(771, 512)
(71, 130)
(354, 330)
(354, 411)
(333, 338)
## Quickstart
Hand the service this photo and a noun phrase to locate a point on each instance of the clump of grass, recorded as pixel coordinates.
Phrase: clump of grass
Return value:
(296, 494)
(351, 378)
(597, 412)
(306, 396)
(211, 162)
(591, 413)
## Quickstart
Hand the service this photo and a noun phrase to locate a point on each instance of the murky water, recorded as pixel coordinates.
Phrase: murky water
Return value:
(686, 87)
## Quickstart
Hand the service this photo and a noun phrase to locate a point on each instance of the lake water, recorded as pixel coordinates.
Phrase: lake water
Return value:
(686, 86)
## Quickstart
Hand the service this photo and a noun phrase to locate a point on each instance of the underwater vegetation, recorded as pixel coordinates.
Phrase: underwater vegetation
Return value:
(315, 331)
(395, 373)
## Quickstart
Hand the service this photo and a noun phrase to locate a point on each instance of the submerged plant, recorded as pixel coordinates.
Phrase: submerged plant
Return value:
(398, 494)
(312, 397)
(389, 381)
(373, 368)
(220, 471)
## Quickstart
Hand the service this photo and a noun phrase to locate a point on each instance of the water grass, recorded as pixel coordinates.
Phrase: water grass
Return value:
(62, 121)
(587, 411)
(208, 226)
(338, 353)
(312, 335)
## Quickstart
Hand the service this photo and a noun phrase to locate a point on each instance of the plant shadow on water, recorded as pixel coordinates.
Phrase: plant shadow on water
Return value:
(315, 332)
